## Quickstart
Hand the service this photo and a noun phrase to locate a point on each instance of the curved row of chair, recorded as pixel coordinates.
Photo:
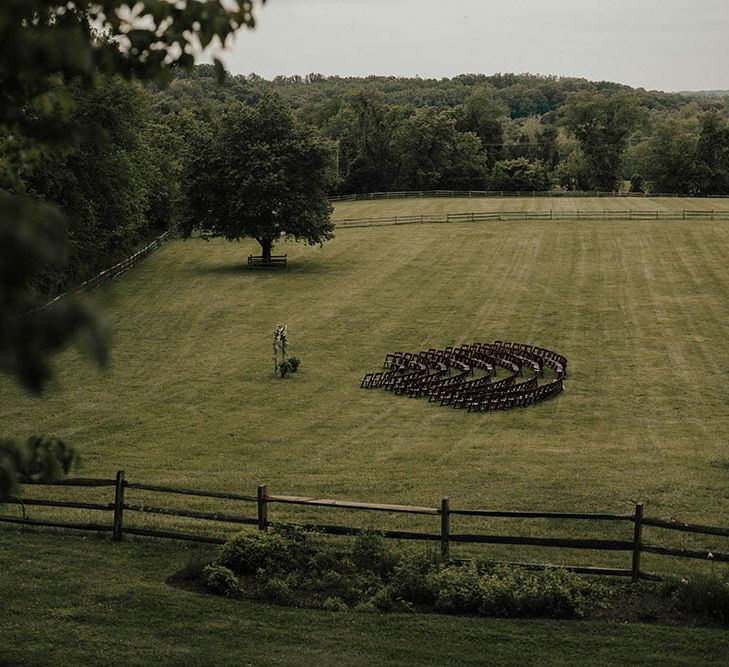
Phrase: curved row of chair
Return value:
(479, 377)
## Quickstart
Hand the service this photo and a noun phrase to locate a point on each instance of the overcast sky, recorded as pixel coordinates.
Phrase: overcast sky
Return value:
(656, 44)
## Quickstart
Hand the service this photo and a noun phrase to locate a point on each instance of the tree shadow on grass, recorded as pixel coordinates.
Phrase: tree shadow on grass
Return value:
(240, 268)
(305, 266)
(299, 266)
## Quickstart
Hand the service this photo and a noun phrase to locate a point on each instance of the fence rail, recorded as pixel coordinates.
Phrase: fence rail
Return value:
(549, 214)
(114, 271)
(417, 194)
(120, 510)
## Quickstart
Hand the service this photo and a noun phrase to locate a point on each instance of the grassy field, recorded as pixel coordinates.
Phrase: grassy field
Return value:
(639, 308)
(88, 602)
(440, 206)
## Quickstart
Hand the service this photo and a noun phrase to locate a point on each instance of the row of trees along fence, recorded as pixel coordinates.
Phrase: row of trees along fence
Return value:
(550, 214)
(414, 194)
(120, 507)
(118, 268)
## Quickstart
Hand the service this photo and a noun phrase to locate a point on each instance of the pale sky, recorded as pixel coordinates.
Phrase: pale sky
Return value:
(656, 44)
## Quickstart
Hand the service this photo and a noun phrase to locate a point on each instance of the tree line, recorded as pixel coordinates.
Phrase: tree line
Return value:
(132, 162)
(502, 132)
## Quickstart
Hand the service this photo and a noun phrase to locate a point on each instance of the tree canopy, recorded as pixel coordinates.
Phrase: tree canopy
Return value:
(49, 50)
(261, 175)
(602, 124)
(520, 175)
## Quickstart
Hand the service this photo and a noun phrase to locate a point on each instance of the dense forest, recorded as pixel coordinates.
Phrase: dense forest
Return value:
(123, 177)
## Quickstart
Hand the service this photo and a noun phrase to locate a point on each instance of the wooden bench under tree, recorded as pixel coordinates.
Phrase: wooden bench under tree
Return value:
(275, 262)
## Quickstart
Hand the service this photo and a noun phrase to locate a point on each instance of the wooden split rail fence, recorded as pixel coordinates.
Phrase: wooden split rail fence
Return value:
(121, 507)
(569, 194)
(550, 214)
(115, 271)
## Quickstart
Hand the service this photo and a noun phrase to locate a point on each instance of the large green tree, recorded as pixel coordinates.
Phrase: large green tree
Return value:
(668, 160)
(603, 124)
(712, 153)
(114, 184)
(363, 128)
(484, 115)
(432, 154)
(261, 176)
(519, 175)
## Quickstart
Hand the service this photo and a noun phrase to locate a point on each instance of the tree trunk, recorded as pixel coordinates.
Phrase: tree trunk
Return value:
(266, 245)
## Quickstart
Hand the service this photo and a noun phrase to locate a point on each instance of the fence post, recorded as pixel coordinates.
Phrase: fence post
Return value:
(262, 508)
(445, 528)
(637, 535)
(116, 535)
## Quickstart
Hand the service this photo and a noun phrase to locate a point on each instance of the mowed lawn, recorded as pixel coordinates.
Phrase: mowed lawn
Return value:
(640, 309)
(442, 205)
(68, 602)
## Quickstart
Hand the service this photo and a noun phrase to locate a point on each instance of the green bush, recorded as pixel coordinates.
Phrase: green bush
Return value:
(278, 589)
(246, 553)
(336, 584)
(334, 604)
(193, 568)
(316, 559)
(349, 585)
(706, 595)
(291, 564)
(296, 568)
(288, 366)
(512, 592)
(385, 600)
(220, 580)
(371, 553)
(457, 589)
(411, 577)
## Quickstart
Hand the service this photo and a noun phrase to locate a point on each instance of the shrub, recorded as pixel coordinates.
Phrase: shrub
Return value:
(519, 175)
(334, 604)
(410, 579)
(290, 564)
(292, 567)
(193, 568)
(385, 600)
(510, 592)
(457, 589)
(290, 365)
(316, 559)
(513, 592)
(351, 587)
(372, 554)
(247, 553)
(278, 589)
(706, 595)
(220, 580)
